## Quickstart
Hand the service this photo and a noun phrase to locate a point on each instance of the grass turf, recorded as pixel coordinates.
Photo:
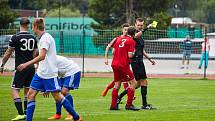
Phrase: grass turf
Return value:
(176, 100)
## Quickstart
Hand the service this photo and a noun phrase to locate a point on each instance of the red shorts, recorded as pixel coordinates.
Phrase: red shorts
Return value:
(122, 74)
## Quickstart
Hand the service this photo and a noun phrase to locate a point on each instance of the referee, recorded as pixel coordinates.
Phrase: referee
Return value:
(24, 45)
(137, 62)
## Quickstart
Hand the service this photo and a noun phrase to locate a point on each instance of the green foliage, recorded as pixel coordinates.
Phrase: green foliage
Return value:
(6, 15)
(113, 14)
(107, 13)
(102, 37)
(163, 19)
(65, 12)
(175, 100)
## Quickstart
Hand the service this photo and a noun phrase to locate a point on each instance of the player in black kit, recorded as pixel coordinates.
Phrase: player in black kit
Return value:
(24, 44)
(138, 65)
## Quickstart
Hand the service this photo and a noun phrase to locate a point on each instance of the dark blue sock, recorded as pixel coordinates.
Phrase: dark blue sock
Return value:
(58, 108)
(70, 99)
(30, 110)
(69, 108)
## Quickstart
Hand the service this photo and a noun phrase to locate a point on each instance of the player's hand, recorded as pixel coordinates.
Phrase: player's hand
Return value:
(21, 67)
(2, 69)
(46, 94)
(149, 26)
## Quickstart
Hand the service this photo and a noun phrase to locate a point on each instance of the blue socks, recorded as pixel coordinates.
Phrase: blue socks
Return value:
(66, 104)
(30, 110)
(59, 105)
(70, 99)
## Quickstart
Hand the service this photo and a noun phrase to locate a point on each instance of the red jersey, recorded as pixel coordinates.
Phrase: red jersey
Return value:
(122, 46)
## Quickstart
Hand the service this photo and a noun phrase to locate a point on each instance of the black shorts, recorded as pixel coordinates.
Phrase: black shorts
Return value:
(138, 69)
(23, 78)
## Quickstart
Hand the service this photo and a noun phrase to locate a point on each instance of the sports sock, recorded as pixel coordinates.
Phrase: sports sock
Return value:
(144, 93)
(66, 104)
(130, 96)
(70, 99)
(123, 94)
(125, 85)
(58, 108)
(30, 110)
(114, 97)
(25, 104)
(111, 85)
(18, 104)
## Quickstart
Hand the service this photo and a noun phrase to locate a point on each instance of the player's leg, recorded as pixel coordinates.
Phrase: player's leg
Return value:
(207, 55)
(36, 85)
(25, 99)
(201, 60)
(31, 104)
(131, 91)
(52, 85)
(72, 82)
(17, 84)
(123, 93)
(106, 89)
(28, 76)
(143, 89)
(66, 104)
(183, 61)
(114, 105)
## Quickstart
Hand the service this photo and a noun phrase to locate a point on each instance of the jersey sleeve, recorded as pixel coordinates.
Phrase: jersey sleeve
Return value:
(111, 44)
(12, 41)
(44, 43)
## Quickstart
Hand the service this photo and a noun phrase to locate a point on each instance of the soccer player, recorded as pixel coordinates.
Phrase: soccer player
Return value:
(187, 46)
(69, 74)
(111, 85)
(138, 65)
(45, 78)
(24, 44)
(123, 50)
(205, 53)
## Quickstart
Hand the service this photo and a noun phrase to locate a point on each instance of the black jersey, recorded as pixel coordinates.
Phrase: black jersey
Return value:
(139, 47)
(24, 44)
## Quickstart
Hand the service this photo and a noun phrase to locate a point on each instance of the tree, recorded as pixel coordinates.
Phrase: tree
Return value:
(65, 12)
(109, 13)
(6, 15)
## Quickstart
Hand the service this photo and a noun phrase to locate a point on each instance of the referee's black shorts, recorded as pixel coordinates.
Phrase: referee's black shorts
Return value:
(138, 68)
(23, 78)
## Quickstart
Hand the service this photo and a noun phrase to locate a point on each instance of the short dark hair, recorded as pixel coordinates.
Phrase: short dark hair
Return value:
(125, 25)
(24, 21)
(131, 31)
(139, 19)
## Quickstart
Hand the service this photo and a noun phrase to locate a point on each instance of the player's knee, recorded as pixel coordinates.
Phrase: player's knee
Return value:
(64, 92)
(144, 82)
(57, 96)
(31, 96)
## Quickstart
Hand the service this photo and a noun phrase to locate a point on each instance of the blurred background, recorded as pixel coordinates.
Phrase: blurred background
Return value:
(83, 28)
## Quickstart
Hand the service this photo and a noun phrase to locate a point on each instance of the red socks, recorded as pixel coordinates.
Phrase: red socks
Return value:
(130, 96)
(114, 97)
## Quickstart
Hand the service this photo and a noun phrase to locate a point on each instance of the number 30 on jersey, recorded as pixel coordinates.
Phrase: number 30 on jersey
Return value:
(28, 44)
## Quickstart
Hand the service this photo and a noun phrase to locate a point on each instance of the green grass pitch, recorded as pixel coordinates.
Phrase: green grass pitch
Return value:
(176, 100)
